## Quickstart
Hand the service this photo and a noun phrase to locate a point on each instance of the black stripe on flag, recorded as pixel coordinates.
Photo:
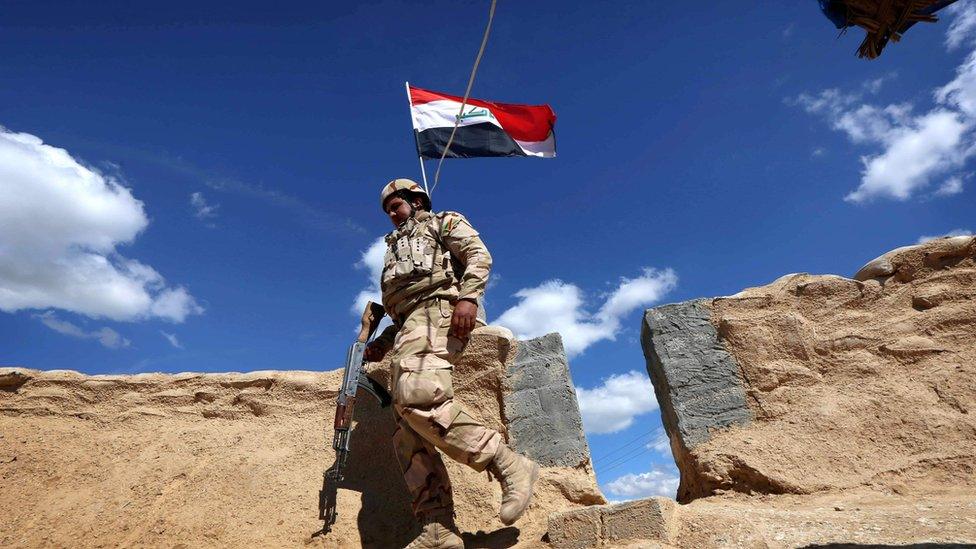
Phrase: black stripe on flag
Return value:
(469, 142)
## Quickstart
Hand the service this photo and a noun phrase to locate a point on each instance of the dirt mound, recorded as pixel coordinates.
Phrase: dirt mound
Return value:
(824, 383)
(215, 460)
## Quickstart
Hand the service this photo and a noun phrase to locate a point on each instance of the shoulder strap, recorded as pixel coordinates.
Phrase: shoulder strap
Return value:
(439, 217)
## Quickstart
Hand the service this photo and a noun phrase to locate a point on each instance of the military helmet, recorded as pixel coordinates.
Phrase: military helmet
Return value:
(404, 185)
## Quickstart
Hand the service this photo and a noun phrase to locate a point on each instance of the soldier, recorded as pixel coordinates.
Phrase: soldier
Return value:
(435, 269)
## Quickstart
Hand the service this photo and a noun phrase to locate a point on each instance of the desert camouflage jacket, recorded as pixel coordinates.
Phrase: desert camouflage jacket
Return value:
(431, 256)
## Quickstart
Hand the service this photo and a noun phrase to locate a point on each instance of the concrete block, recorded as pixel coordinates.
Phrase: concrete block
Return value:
(543, 416)
(695, 379)
(576, 529)
(651, 520)
(645, 519)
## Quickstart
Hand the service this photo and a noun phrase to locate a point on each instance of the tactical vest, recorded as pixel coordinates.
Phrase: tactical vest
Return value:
(417, 266)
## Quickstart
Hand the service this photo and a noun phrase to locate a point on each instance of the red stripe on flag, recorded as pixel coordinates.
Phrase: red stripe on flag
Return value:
(522, 122)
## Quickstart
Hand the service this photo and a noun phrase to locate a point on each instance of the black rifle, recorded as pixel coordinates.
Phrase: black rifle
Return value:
(353, 378)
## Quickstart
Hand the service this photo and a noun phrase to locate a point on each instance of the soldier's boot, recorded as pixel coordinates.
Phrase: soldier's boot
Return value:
(517, 475)
(439, 533)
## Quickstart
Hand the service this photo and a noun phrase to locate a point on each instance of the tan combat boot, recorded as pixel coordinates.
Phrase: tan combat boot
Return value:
(439, 533)
(517, 475)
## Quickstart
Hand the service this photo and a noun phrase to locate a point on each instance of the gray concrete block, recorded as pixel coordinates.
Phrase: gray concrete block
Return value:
(695, 379)
(543, 416)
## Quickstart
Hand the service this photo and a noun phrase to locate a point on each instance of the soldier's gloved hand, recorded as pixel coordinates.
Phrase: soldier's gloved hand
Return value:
(374, 353)
(463, 321)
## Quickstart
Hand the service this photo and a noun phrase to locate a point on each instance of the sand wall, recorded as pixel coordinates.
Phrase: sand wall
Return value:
(218, 460)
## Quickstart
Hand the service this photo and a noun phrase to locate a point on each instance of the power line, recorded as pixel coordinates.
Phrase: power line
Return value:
(624, 445)
(624, 459)
(625, 456)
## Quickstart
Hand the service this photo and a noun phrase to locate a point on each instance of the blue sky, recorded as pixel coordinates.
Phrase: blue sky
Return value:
(233, 157)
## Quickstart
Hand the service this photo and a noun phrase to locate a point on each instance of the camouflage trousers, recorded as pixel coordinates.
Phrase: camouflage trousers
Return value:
(426, 415)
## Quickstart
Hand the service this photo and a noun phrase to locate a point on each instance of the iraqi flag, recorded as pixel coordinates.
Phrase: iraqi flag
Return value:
(486, 128)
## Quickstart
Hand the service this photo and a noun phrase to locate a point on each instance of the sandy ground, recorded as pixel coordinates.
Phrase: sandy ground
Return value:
(862, 518)
(856, 518)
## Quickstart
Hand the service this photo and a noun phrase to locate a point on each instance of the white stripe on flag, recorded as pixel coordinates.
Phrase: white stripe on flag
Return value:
(441, 114)
(544, 149)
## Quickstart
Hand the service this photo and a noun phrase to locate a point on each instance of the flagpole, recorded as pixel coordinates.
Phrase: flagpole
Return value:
(416, 140)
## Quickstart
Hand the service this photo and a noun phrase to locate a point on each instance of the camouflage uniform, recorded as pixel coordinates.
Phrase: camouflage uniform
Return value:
(432, 260)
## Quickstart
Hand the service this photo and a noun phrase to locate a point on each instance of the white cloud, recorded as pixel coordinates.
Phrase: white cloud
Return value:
(106, 336)
(656, 482)
(60, 226)
(953, 185)
(875, 85)
(556, 306)
(911, 149)
(914, 153)
(960, 92)
(633, 293)
(173, 340)
(819, 151)
(201, 209)
(493, 280)
(174, 304)
(861, 122)
(370, 260)
(830, 101)
(963, 26)
(954, 232)
(612, 406)
(870, 124)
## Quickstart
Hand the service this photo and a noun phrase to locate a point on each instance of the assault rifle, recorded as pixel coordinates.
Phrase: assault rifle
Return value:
(353, 378)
